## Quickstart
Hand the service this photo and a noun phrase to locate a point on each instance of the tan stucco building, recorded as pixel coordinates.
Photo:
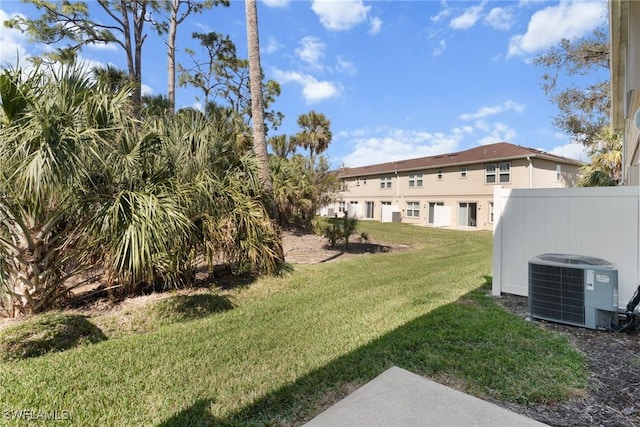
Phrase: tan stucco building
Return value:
(624, 22)
(453, 190)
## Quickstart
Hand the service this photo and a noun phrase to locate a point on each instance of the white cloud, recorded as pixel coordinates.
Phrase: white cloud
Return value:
(108, 47)
(492, 110)
(313, 91)
(275, 3)
(468, 18)
(375, 25)
(311, 51)
(340, 15)
(146, 90)
(345, 66)
(442, 14)
(440, 48)
(548, 26)
(572, 151)
(272, 45)
(385, 145)
(499, 18)
(12, 44)
(499, 133)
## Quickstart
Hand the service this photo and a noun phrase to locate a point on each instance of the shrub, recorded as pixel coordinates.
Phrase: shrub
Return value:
(336, 229)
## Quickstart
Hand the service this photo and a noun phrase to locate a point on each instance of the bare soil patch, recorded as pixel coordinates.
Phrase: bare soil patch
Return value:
(304, 248)
(612, 397)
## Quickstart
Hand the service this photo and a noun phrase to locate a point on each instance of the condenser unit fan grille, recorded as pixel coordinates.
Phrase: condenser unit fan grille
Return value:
(557, 293)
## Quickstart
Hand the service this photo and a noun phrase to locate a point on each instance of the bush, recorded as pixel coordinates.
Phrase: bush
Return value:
(336, 229)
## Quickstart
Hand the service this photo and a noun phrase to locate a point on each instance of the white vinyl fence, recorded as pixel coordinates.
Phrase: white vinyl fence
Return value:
(599, 222)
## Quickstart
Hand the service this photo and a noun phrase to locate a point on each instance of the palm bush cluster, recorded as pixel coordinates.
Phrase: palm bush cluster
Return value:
(87, 186)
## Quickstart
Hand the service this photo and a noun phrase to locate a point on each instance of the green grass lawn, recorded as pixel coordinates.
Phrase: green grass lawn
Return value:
(292, 345)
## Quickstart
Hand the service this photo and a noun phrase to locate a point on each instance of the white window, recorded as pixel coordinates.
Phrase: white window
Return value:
(463, 172)
(491, 212)
(342, 206)
(505, 172)
(343, 185)
(467, 214)
(385, 182)
(558, 172)
(490, 174)
(432, 210)
(357, 182)
(415, 179)
(439, 174)
(413, 209)
(369, 209)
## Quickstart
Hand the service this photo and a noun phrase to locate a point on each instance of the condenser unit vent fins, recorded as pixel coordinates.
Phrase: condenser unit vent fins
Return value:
(574, 289)
(557, 293)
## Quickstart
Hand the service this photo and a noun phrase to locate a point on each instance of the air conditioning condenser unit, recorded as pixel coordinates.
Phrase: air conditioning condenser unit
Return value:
(574, 289)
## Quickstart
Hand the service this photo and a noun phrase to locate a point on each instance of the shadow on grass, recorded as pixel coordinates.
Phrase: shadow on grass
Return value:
(190, 307)
(197, 414)
(471, 343)
(47, 333)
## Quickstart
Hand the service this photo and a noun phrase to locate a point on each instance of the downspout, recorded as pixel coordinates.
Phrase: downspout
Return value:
(397, 186)
(530, 172)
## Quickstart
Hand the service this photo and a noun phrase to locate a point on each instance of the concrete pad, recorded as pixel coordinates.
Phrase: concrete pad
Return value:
(400, 398)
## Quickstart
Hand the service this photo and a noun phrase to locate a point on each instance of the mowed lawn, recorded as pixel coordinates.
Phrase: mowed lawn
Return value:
(292, 345)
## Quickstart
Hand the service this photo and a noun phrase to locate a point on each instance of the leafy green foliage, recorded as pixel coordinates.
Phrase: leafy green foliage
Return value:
(85, 184)
(336, 229)
(583, 109)
(48, 155)
(47, 333)
(605, 169)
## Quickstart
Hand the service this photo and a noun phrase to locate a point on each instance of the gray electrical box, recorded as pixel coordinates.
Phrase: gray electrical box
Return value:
(574, 289)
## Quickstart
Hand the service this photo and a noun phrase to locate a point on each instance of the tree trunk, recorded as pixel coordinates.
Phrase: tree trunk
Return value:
(139, 12)
(257, 115)
(173, 26)
(257, 102)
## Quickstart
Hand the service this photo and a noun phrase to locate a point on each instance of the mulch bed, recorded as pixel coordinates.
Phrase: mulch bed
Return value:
(612, 397)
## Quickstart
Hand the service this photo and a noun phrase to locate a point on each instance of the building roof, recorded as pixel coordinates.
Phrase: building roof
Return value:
(482, 154)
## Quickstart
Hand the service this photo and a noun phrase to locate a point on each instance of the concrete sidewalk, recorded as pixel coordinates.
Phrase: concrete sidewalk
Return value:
(400, 398)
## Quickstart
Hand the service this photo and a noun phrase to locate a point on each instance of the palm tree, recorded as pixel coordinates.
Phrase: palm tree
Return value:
(51, 137)
(293, 189)
(114, 79)
(157, 105)
(257, 102)
(282, 146)
(315, 134)
(605, 169)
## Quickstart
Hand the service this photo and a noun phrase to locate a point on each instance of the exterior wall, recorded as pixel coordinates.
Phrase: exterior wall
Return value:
(599, 222)
(625, 82)
(545, 175)
(449, 186)
(633, 78)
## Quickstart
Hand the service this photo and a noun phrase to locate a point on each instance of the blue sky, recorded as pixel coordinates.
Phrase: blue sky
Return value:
(397, 79)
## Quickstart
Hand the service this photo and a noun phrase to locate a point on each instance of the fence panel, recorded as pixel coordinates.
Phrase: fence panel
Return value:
(600, 222)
